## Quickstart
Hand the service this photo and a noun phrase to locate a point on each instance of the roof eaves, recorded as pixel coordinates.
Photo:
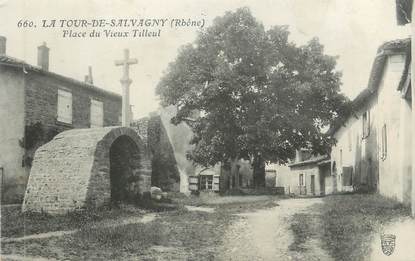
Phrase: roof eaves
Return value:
(310, 161)
(14, 62)
(387, 48)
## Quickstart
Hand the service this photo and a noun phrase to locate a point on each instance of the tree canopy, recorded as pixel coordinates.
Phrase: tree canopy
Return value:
(258, 95)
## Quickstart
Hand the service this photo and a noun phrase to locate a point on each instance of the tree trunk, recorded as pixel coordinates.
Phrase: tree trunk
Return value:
(259, 171)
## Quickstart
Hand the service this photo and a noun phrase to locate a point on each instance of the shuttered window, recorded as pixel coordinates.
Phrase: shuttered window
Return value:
(301, 180)
(216, 180)
(384, 143)
(206, 182)
(97, 113)
(193, 183)
(366, 124)
(64, 106)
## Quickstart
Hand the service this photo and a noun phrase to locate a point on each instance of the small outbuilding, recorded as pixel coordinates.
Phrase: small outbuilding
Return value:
(88, 168)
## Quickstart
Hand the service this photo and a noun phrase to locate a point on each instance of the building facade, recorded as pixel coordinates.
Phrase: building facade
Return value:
(35, 105)
(404, 14)
(373, 150)
(304, 175)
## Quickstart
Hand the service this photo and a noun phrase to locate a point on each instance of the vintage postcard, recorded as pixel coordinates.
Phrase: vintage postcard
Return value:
(207, 130)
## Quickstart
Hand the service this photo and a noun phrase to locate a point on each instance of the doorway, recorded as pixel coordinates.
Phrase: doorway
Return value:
(124, 166)
(301, 183)
(312, 185)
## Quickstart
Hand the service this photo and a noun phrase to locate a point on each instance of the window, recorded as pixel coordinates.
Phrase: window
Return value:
(216, 180)
(384, 143)
(366, 124)
(206, 182)
(341, 158)
(64, 106)
(97, 113)
(193, 183)
(301, 181)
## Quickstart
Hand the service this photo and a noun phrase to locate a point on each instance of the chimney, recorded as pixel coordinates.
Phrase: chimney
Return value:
(3, 40)
(43, 57)
(88, 78)
(298, 156)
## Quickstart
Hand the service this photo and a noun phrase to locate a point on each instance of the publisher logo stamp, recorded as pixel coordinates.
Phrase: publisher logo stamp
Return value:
(388, 243)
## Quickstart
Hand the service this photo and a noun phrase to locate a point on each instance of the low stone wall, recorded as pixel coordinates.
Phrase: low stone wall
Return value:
(73, 170)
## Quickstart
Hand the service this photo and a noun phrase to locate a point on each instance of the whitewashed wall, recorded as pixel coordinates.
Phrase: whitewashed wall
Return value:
(389, 109)
(11, 131)
(394, 113)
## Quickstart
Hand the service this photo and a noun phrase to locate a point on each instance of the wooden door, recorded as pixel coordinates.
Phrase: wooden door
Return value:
(312, 185)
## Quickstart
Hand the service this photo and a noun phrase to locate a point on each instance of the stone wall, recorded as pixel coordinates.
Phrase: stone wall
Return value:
(73, 171)
(41, 98)
(179, 136)
(29, 96)
(141, 127)
(41, 105)
(165, 173)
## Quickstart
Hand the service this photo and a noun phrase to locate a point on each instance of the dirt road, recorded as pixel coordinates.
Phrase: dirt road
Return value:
(201, 233)
(223, 228)
(266, 235)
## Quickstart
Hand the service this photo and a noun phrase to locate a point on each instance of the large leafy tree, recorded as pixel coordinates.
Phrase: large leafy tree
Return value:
(258, 95)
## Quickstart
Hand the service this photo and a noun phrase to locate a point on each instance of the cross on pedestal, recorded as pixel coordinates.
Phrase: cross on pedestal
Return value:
(126, 82)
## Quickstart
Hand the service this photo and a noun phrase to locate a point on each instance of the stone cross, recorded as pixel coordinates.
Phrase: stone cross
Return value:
(126, 82)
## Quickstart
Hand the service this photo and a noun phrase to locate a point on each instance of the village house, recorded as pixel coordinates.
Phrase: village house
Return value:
(35, 105)
(404, 14)
(304, 175)
(310, 175)
(373, 150)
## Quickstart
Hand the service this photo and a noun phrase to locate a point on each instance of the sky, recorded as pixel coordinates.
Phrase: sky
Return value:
(352, 30)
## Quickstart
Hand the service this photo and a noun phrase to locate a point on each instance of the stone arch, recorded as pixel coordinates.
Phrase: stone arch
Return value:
(124, 160)
(73, 171)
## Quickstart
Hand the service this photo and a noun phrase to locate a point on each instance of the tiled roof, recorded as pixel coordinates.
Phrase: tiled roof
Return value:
(404, 11)
(313, 160)
(384, 50)
(6, 60)
(401, 45)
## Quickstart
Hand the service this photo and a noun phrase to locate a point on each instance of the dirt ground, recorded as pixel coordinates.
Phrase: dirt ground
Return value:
(266, 235)
(225, 228)
(191, 232)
